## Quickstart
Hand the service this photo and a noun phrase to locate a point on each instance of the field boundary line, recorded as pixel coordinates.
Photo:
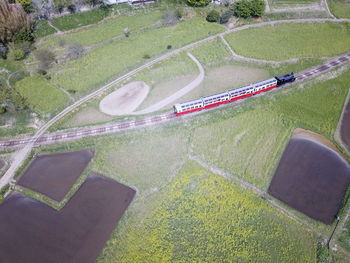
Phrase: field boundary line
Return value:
(241, 182)
(325, 3)
(255, 60)
(337, 135)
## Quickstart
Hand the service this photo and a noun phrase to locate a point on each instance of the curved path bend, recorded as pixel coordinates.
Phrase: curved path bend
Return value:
(159, 105)
(29, 143)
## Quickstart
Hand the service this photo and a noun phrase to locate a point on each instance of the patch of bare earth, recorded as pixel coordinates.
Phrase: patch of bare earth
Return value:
(34, 232)
(2, 164)
(124, 100)
(54, 174)
(345, 126)
(311, 177)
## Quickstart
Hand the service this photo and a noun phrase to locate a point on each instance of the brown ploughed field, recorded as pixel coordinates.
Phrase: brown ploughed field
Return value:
(54, 174)
(311, 178)
(34, 232)
(345, 126)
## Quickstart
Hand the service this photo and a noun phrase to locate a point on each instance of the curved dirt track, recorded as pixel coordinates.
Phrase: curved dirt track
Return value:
(159, 105)
(29, 143)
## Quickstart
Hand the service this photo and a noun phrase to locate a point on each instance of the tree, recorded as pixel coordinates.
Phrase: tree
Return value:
(225, 16)
(257, 7)
(27, 5)
(13, 20)
(213, 16)
(247, 8)
(197, 3)
(242, 8)
(72, 8)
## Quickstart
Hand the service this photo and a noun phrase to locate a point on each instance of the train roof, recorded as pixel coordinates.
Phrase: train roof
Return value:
(285, 77)
(250, 86)
(189, 103)
(215, 96)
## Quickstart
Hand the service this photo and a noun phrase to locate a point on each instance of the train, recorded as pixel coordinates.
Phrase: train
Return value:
(233, 94)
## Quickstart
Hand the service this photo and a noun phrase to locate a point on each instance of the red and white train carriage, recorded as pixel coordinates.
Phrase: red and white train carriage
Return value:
(232, 95)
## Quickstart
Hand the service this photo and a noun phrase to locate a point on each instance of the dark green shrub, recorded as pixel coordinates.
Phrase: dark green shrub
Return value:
(146, 56)
(169, 47)
(3, 50)
(213, 16)
(242, 8)
(72, 8)
(25, 35)
(178, 13)
(225, 16)
(41, 71)
(257, 8)
(247, 8)
(15, 53)
(197, 3)
(2, 109)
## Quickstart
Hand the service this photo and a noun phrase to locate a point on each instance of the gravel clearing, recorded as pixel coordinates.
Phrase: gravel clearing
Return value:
(124, 100)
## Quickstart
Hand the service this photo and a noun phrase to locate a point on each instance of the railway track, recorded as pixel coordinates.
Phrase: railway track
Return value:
(151, 120)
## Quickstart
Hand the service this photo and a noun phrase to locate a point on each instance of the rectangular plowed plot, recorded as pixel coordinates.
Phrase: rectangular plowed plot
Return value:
(312, 179)
(345, 126)
(34, 232)
(54, 174)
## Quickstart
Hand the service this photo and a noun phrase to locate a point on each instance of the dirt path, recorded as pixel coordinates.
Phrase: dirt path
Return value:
(51, 25)
(24, 152)
(177, 94)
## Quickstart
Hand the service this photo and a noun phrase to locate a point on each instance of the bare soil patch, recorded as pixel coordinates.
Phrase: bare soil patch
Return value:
(54, 174)
(2, 164)
(34, 232)
(124, 100)
(345, 126)
(312, 178)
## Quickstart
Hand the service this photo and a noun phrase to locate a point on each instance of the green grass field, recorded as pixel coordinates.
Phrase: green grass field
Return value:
(41, 95)
(340, 8)
(205, 218)
(211, 52)
(285, 41)
(105, 63)
(107, 30)
(71, 21)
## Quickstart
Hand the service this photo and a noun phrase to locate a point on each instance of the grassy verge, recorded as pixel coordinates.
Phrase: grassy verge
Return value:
(340, 8)
(109, 29)
(71, 21)
(40, 95)
(104, 63)
(203, 217)
(285, 41)
(290, 2)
